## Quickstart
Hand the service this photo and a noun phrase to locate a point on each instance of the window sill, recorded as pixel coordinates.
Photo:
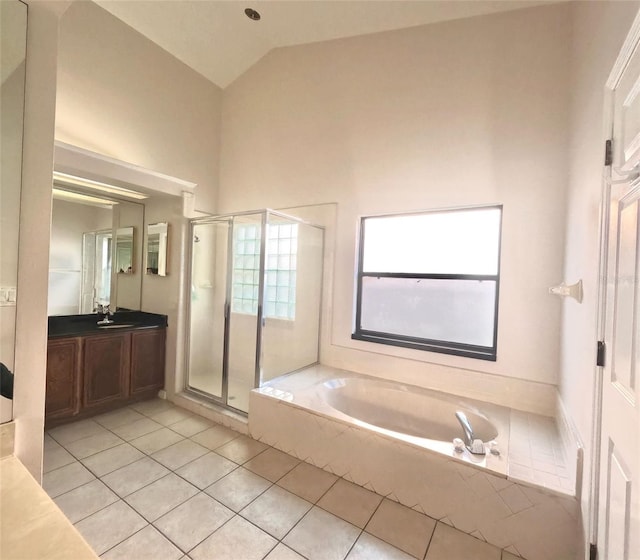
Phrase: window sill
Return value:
(454, 349)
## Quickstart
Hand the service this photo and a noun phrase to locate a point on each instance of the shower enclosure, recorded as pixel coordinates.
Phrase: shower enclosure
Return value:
(254, 313)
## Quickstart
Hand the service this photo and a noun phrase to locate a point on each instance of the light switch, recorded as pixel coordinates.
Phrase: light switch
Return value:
(7, 296)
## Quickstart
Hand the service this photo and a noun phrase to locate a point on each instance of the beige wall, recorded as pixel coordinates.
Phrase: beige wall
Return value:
(121, 95)
(466, 112)
(35, 214)
(599, 29)
(160, 294)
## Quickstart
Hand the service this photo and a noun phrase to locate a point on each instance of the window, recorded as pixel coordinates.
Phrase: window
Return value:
(430, 281)
(280, 270)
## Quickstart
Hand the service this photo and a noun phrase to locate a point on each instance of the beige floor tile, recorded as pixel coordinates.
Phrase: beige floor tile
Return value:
(161, 496)
(508, 556)
(136, 429)
(56, 457)
(112, 459)
(193, 521)
(271, 464)
(77, 430)
(350, 502)
(117, 418)
(65, 478)
(110, 526)
(147, 544)
(191, 426)
(91, 445)
(276, 511)
(450, 544)
(402, 527)
(49, 442)
(85, 500)
(206, 470)
(152, 406)
(241, 449)
(238, 488)
(171, 416)
(178, 454)
(214, 437)
(237, 539)
(368, 547)
(282, 552)
(155, 441)
(322, 536)
(127, 480)
(307, 481)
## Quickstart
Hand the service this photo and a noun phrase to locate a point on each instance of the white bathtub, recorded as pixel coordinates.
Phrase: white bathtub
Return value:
(404, 410)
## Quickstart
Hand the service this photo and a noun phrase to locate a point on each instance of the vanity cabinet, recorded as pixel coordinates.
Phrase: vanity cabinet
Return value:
(106, 369)
(63, 377)
(147, 361)
(92, 374)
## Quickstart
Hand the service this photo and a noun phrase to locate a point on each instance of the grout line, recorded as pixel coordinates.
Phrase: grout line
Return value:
(131, 535)
(435, 525)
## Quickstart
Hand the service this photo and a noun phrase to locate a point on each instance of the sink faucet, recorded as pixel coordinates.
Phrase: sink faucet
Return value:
(105, 309)
(475, 446)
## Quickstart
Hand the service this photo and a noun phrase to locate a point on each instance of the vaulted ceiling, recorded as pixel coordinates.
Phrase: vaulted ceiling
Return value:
(218, 40)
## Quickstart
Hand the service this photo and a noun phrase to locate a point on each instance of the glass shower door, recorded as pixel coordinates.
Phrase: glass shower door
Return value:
(246, 310)
(208, 308)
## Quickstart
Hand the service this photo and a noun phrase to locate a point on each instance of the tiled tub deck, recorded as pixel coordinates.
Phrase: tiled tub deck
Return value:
(526, 506)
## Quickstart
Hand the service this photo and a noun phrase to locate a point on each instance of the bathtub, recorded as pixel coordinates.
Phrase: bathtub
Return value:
(401, 410)
(397, 440)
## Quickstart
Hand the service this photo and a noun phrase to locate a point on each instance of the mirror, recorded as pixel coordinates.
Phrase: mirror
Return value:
(13, 40)
(124, 250)
(93, 238)
(158, 249)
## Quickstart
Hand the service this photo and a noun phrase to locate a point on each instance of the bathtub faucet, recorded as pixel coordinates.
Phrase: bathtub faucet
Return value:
(475, 446)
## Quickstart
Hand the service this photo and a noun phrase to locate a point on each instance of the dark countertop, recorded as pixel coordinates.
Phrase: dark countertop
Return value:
(83, 325)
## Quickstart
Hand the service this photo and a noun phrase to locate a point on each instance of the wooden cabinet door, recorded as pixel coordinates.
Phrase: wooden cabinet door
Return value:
(63, 378)
(106, 367)
(147, 360)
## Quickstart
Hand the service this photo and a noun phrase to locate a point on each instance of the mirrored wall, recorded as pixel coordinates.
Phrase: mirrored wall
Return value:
(96, 253)
(13, 38)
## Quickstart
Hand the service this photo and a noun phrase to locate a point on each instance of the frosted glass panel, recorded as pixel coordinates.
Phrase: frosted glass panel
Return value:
(459, 311)
(456, 242)
(207, 312)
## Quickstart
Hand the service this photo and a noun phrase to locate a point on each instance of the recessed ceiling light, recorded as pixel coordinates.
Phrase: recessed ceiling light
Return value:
(66, 179)
(252, 14)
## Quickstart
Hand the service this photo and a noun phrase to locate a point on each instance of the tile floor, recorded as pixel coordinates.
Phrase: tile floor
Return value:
(155, 481)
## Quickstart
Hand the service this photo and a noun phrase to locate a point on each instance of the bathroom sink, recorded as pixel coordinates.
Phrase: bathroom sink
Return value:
(118, 326)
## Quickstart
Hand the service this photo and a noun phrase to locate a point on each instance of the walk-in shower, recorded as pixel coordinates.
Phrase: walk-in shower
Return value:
(254, 312)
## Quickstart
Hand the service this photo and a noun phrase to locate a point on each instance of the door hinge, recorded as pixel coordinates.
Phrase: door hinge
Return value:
(593, 552)
(608, 153)
(601, 353)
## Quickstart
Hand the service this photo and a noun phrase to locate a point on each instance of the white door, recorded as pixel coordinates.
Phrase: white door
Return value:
(619, 493)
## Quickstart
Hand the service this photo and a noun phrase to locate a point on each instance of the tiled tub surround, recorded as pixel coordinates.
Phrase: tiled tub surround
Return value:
(522, 501)
(155, 481)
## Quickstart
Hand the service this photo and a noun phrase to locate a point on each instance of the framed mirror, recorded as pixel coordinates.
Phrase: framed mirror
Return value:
(158, 249)
(124, 250)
